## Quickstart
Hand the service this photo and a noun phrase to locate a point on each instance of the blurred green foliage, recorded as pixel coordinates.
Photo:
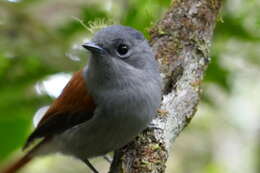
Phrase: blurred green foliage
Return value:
(34, 45)
(37, 39)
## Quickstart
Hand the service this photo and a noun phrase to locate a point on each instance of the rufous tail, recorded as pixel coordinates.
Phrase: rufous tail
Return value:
(13, 168)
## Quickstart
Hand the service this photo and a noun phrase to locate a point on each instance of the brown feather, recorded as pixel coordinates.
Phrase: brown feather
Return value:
(17, 165)
(72, 107)
(74, 98)
(14, 167)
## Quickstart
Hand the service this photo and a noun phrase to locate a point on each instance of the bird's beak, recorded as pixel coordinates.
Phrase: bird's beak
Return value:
(92, 47)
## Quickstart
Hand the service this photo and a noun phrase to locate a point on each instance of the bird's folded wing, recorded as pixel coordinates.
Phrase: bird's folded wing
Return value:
(72, 107)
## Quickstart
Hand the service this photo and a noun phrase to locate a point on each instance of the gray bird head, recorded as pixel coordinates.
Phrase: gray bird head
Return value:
(121, 46)
(123, 78)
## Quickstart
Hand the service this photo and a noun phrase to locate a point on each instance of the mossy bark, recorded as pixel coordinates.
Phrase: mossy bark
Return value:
(181, 41)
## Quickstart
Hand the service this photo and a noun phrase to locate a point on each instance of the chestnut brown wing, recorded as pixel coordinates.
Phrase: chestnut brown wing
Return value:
(72, 107)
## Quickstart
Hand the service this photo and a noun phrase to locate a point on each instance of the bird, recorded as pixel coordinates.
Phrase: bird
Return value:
(105, 105)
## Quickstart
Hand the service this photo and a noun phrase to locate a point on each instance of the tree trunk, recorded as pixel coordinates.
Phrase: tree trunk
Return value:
(181, 41)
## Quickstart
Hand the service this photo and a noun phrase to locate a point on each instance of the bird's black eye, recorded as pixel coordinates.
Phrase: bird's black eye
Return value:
(122, 49)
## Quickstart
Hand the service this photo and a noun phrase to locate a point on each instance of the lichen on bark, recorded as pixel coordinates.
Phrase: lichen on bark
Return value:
(181, 41)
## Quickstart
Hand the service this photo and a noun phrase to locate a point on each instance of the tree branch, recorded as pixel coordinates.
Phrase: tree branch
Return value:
(181, 40)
